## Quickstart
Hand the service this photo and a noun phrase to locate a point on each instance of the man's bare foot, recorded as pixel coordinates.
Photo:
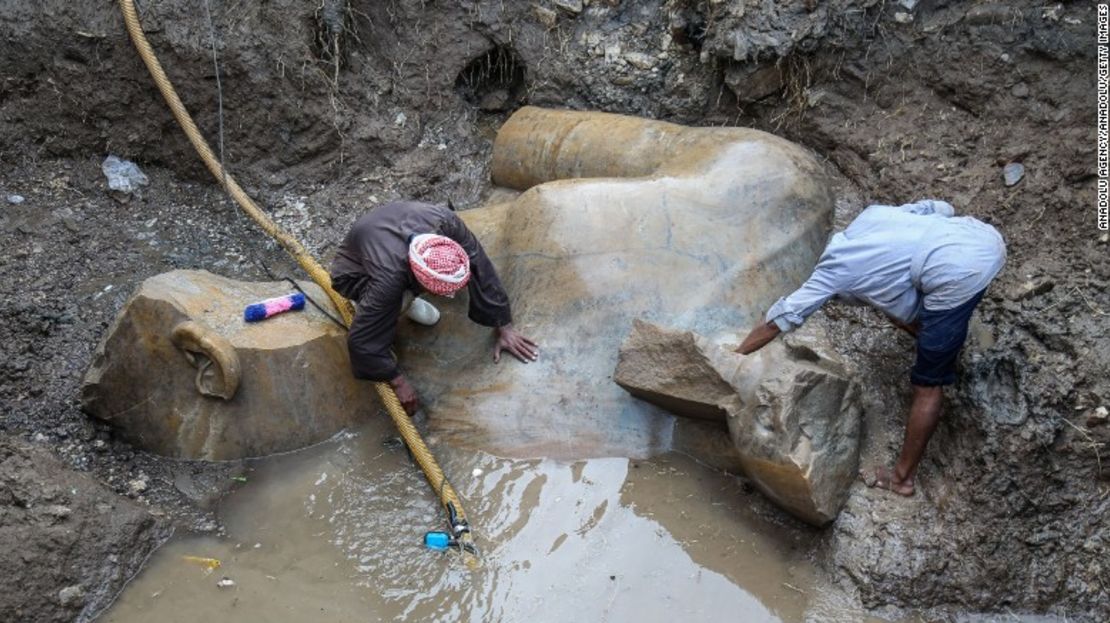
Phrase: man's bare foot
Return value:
(883, 478)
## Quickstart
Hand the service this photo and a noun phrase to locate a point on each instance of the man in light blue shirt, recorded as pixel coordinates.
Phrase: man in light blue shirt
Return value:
(926, 269)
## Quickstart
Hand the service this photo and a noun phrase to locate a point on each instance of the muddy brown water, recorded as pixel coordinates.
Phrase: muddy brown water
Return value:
(334, 533)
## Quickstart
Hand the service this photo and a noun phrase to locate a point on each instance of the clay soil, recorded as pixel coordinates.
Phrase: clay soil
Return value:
(333, 107)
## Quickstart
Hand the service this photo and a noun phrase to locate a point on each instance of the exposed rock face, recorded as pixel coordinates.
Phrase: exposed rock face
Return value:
(620, 218)
(181, 374)
(792, 409)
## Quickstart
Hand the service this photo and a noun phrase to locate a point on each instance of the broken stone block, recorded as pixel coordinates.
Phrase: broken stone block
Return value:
(792, 409)
(180, 373)
(798, 428)
(671, 370)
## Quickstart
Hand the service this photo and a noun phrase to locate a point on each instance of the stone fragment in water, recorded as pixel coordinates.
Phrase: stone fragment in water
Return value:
(793, 410)
(1012, 173)
(181, 374)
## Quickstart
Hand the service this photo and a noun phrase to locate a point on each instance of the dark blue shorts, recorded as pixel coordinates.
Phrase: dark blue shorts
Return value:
(940, 336)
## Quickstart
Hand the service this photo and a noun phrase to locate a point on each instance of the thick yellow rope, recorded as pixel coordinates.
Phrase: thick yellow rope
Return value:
(404, 424)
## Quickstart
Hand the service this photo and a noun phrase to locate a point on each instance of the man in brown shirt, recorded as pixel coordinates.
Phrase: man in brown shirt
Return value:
(372, 268)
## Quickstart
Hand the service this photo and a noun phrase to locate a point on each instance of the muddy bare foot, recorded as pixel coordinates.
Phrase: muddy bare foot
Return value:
(883, 478)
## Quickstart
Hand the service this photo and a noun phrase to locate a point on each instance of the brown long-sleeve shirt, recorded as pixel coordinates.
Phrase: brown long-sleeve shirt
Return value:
(372, 269)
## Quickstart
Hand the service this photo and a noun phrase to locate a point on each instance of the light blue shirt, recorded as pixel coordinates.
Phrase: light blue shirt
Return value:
(899, 259)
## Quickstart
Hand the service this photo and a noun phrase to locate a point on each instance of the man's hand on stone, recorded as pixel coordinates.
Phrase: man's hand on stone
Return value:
(405, 393)
(512, 342)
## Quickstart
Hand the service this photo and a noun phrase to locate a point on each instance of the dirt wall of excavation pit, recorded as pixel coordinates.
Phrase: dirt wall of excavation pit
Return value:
(328, 110)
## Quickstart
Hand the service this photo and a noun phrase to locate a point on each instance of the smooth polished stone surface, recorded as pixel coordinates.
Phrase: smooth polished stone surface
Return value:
(620, 218)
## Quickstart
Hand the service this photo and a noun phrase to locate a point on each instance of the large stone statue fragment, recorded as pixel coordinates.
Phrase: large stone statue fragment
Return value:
(180, 373)
(793, 410)
(619, 218)
(672, 369)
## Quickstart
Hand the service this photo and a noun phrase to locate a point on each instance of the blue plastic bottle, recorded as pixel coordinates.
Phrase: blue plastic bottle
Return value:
(438, 541)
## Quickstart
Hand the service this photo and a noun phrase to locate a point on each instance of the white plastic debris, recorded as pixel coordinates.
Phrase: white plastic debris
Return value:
(1012, 173)
(123, 175)
(15, 199)
(225, 582)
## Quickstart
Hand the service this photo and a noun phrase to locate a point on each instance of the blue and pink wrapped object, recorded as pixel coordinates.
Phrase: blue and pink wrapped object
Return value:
(272, 307)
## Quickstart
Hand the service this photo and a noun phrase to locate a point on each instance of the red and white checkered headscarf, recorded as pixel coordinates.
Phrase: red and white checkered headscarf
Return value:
(439, 263)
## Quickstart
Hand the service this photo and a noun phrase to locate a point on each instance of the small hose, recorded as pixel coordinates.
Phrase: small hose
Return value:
(419, 449)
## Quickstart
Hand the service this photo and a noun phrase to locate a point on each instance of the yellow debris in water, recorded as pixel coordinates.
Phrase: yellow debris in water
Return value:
(208, 563)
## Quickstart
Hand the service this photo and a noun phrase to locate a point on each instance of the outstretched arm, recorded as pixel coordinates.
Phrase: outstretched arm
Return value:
(758, 338)
(791, 311)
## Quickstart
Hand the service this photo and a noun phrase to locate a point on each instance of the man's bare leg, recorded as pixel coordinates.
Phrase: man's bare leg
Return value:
(924, 416)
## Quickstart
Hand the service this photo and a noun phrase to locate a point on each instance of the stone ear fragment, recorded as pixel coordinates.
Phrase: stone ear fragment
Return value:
(217, 363)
